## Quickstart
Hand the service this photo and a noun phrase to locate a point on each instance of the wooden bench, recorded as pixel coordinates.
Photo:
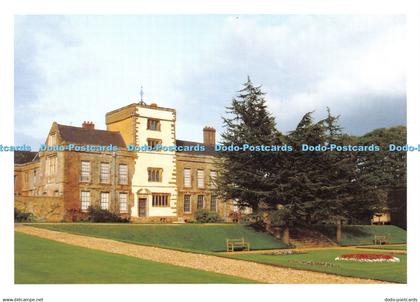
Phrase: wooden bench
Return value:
(232, 244)
(381, 239)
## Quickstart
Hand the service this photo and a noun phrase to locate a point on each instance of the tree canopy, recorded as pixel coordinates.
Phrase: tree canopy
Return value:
(306, 186)
(247, 176)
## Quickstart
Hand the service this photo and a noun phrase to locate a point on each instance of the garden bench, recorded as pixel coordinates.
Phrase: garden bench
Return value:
(231, 244)
(381, 239)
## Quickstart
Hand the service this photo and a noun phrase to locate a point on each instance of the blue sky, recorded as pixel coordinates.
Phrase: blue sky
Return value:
(74, 68)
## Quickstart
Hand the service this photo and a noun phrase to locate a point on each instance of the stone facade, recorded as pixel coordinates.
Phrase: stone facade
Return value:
(44, 208)
(156, 186)
(189, 194)
(59, 174)
(140, 124)
(26, 178)
(113, 187)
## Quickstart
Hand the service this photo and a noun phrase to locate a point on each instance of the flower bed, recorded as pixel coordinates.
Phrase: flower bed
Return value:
(367, 258)
(283, 252)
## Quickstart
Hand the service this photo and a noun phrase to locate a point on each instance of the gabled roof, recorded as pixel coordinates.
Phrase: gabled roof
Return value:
(23, 157)
(209, 150)
(83, 136)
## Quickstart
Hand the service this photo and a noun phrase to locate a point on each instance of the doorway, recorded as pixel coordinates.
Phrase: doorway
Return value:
(142, 207)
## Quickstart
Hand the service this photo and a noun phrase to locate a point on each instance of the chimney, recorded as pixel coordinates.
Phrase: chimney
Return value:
(209, 136)
(88, 125)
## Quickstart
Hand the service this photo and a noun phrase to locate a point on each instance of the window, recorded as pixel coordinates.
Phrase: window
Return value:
(51, 164)
(200, 202)
(213, 176)
(213, 203)
(123, 174)
(200, 179)
(85, 200)
(26, 178)
(153, 124)
(104, 200)
(34, 179)
(187, 178)
(104, 173)
(151, 142)
(187, 203)
(52, 140)
(160, 200)
(85, 171)
(155, 174)
(123, 203)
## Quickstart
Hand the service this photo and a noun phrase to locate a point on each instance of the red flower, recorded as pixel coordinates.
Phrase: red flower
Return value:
(366, 256)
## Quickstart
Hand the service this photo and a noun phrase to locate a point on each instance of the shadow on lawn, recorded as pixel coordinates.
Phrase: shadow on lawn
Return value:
(348, 230)
(257, 226)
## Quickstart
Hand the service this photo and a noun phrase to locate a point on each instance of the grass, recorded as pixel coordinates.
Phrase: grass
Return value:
(364, 234)
(386, 247)
(323, 261)
(42, 261)
(188, 237)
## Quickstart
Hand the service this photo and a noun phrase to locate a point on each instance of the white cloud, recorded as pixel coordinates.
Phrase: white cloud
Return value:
(307, 63)
(82, 67)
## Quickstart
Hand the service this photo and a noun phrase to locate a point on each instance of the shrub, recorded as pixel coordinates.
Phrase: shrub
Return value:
(206, 216)
(96, 214)
(76, 215)
(257, 221)
(23, 216)
(238, 217)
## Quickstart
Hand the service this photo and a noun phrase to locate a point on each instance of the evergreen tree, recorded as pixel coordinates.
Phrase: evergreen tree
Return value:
(305, 187)
(317, 186)
(246, 177)
(338, 187)
(380, 172)
(299, 177)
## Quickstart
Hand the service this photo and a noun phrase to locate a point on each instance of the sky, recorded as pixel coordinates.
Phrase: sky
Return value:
(72, 68)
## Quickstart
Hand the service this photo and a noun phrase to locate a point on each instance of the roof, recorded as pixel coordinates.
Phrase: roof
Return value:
(209, 150)
(83, 136)
(23, 157)
(144, 105)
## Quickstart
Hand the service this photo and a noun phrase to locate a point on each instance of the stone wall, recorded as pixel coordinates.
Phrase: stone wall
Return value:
(44, 208)
(152, 219)
(25, 181)
(194, 162)
(73, 185)
(124, 121)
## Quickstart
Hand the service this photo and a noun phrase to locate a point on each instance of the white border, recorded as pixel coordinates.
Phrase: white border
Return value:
(206, 292)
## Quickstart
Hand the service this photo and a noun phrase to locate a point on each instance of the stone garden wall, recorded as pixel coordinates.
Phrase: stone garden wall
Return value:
(44, 208)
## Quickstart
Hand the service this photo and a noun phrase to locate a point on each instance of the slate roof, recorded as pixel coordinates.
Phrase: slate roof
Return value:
(82, 136)
(23, 157)
(209, 149)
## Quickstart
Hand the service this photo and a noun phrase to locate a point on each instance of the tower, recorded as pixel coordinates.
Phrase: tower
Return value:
(154, 179)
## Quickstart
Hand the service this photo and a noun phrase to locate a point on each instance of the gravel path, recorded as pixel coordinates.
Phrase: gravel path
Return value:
(353, 248)
(239, 268)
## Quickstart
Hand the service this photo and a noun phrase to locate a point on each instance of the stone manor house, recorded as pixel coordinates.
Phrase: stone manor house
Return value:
(149, 186)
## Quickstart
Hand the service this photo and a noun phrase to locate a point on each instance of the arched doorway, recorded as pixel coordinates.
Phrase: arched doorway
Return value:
(142, 198)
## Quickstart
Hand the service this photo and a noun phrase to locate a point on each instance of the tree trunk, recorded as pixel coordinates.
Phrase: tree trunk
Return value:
(338, 230)
(285, 236)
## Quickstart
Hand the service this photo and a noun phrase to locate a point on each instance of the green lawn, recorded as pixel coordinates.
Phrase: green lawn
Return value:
(323, 261)
(364, 234)
(386, 247)
(42, 261)
(190, 237)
